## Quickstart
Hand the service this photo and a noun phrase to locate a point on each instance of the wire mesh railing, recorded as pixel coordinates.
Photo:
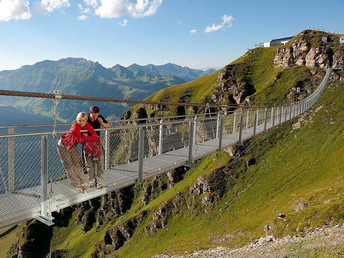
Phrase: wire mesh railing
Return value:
(34, 182)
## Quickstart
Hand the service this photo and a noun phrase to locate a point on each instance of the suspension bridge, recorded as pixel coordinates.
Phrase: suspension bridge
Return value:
(33, 183)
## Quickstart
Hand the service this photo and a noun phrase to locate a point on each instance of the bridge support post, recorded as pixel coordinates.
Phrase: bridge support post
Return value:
(160, 136)
(140, 156)
(247, 118)
(107, 149)
(255, 123)
(285, 113)
(191, 137)
(290, 111)
(273, 116)
(294, 110)
(45, 216)
(240, 130)
(194, 130)
(11, 161)
(217, 125)
(257, 117)
(265, 118)
(234, 122)
(220, 133)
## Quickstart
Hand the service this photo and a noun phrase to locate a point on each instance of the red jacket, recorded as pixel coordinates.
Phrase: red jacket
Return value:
(70, 139)
(92, 149)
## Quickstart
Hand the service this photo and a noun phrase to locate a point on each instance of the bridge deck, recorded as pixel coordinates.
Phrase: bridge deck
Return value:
(26, 204)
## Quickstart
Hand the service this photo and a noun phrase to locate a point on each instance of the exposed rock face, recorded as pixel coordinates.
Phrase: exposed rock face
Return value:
(34, 240)
(324, 54)
(230, 88)
(338, 59)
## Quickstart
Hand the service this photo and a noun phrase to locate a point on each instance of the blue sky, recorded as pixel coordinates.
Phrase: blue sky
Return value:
(194, 33)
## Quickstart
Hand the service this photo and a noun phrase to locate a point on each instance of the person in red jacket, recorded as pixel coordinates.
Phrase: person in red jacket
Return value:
(68, 151)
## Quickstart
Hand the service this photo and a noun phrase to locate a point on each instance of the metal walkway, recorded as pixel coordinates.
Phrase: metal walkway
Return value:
(29, 188)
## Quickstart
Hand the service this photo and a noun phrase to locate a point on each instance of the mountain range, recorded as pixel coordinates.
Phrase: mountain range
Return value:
(82, 77)
(280, 190)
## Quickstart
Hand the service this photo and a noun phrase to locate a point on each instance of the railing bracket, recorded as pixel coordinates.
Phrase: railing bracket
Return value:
(47, 220)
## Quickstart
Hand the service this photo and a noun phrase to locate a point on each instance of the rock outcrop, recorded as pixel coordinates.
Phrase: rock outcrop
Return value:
(312, 49)
(230, 88)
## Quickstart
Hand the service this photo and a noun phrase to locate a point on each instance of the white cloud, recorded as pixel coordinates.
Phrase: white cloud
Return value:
(92, 3)
(124, 23)
(227, 20)
(193, 32)
(48, 6)
(83, 17)
(112, 8)
(119, 8)
(14, 9)
(84, 9)
(144, 8)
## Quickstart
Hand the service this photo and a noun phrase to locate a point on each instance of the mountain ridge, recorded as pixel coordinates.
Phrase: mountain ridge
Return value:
(82, 77)
(287, 184)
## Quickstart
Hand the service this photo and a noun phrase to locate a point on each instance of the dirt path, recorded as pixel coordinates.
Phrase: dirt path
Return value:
(328, 242)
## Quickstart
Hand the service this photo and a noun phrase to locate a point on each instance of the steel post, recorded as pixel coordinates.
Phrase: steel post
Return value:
(255, 123)
(45, 216)
(11, 161)
(194, 131)
(234, 122)
(107, 149)
(44, 175)
(273, 116)
(220, 133)
(240, 130)
(140, 156)
(257, 117)
(192, 126)
(217, 125)
(247, 118)
(160, 136)
(290, 111)
(265, 118)
(285, 113)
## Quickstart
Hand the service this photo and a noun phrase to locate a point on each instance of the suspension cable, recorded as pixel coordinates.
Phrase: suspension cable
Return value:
(131, 101)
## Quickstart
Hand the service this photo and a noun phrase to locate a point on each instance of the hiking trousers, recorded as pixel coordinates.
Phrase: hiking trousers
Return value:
(71, 164)
(96, 176)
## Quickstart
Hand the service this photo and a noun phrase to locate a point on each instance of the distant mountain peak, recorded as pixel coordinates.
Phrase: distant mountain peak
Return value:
(170, 69)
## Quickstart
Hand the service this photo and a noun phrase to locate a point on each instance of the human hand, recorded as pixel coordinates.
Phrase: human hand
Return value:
(100, 120)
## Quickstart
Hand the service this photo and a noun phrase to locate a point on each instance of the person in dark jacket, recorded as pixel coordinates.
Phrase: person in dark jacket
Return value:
(68, 151)
(96, 176)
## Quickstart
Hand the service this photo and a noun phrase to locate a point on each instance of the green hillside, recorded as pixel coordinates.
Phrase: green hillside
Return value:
(286, 181)
(255, 70)
(294, 173)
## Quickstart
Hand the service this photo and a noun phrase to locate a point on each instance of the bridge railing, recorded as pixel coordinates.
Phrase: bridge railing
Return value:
(33, 181)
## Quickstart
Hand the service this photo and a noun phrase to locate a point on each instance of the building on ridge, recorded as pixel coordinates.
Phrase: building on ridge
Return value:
(277, 42)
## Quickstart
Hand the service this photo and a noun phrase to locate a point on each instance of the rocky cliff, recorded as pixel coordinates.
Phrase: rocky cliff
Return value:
(312, 49)
(237, 83)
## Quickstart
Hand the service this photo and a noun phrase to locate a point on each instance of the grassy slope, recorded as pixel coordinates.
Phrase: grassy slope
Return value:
(279, 180)
(292, 166)
(8, 236)
(255, 66)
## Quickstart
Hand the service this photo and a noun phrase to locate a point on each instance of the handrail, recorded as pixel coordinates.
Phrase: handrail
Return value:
(30, 164)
